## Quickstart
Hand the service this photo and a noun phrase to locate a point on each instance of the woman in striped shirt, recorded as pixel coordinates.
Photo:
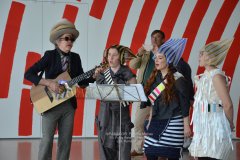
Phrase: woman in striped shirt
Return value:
(169, 101)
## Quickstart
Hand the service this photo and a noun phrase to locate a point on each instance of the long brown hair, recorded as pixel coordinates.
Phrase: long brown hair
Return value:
(168, 94)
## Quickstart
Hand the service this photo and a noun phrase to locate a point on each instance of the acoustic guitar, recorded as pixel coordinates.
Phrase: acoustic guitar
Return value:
(43, 98)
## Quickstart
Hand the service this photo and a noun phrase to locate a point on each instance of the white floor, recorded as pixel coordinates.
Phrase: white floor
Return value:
(82, 149)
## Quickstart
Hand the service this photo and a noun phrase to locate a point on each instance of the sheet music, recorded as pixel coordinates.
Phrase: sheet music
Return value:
(131, 92)
(134, 90)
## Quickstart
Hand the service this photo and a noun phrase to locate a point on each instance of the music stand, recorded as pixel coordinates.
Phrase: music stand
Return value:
(117, 92)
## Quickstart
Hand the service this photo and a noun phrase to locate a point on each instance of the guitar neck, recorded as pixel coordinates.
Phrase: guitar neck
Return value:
(81, 77)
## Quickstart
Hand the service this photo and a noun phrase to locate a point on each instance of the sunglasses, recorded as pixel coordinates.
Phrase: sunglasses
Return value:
(67, 39)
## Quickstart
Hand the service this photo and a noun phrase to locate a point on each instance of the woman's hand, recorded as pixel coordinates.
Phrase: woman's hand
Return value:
(140, 51)
(187, 131)
(232, 126)
(150, 118)
(97, 72)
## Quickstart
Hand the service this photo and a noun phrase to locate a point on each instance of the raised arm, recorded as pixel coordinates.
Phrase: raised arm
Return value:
(135, 63)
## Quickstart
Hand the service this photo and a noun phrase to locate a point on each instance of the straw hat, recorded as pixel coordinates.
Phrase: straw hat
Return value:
(173, 50)
(63, 27)
(217, 51)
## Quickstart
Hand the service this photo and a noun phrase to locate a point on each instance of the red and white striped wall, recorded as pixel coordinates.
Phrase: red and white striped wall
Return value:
(24, 36)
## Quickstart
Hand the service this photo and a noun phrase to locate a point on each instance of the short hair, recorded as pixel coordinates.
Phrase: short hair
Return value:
(158, 31)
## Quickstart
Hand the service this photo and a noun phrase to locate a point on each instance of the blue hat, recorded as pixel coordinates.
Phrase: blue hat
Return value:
(173, 50)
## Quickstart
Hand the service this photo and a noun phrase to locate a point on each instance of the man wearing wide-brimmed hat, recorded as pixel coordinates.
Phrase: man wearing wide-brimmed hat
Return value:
(53, 63)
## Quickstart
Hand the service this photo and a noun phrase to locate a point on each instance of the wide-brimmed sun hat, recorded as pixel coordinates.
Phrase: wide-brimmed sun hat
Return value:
(63, 27)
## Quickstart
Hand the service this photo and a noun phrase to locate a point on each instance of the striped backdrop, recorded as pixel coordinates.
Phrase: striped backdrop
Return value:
(24, 36)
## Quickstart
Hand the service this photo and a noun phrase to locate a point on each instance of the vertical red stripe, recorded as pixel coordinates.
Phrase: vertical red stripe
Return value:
(171, 17)
(96, 113)
(238, 121)
(119, 21)
(32, 57)
(9, 44)
(76, 150)
(24, 151)
(26, 108)
(221, 20)
(143, 24)
(70, 13)
(233, 55)
(98, 8)
(220, 23)
(25, 114)
(78, 119)
(193, 25)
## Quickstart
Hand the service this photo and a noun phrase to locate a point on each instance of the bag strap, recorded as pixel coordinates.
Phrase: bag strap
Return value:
(160, 88)
(109, 80)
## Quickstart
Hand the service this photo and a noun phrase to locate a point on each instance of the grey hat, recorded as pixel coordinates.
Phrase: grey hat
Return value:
(63, 27)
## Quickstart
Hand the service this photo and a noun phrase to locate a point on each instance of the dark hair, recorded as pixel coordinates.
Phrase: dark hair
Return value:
(169, 93)
(158, 31)
(115, 46)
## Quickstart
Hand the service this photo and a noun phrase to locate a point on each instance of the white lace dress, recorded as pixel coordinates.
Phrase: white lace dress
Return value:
(212, 133)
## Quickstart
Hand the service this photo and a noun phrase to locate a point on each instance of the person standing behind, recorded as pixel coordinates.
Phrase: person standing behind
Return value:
(144, 64)
(108, 120)
(53, 63)
(212, 108)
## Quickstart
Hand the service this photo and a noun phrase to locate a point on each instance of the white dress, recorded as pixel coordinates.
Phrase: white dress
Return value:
(212, 133)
